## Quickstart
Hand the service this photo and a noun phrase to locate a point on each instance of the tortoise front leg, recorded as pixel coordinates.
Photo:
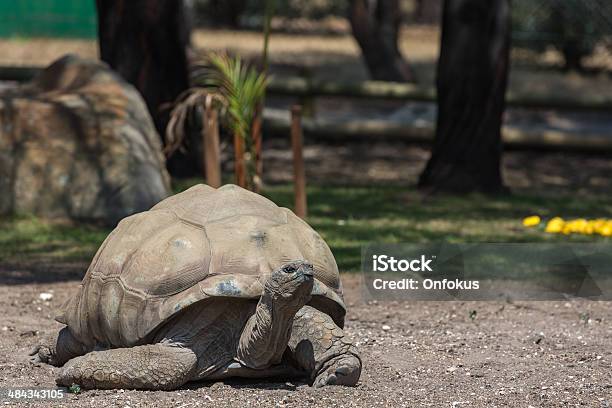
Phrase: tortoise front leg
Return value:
(147, 367)
(265, 335)
(320, 347)
(66, 347)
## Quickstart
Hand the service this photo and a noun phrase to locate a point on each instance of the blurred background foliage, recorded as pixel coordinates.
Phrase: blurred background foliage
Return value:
(250, 12)
(573, 27)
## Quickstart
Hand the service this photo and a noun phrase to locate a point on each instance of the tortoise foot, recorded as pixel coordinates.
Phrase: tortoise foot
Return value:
(321, 348)
(342, 370)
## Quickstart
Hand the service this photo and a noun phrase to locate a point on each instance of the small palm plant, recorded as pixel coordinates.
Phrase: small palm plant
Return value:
(239, 90)
(243, 89)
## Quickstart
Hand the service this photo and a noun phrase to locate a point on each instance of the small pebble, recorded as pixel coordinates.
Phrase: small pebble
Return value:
(45, 296)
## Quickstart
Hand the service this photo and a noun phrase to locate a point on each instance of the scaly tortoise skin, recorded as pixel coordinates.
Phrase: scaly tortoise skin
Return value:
(208, 284)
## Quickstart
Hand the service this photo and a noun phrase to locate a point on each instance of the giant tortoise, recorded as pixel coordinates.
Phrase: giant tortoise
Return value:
(208, 284)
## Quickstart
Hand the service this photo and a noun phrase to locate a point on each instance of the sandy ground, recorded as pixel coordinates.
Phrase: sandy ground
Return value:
(539, 354)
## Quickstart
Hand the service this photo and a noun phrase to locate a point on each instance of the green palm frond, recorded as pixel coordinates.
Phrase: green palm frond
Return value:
(242, 87)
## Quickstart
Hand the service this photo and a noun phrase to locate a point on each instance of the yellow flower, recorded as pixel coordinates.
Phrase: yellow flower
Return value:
(558, 225)
(579, 225)
(606, 230)
(555, 225)
(531, 221)
(599, 224)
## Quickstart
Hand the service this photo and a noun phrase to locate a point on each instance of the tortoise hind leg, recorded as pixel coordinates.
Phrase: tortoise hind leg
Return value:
(319, 347)
(66, 347)
(149, 367)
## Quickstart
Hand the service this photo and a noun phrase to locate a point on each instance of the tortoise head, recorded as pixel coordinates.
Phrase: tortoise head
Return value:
(292, 282)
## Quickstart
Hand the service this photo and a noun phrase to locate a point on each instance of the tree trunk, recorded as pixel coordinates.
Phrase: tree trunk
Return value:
(146, 41)
(375, 25)
(226, 12)
(573, 54)
(472, 76)
(428, 11)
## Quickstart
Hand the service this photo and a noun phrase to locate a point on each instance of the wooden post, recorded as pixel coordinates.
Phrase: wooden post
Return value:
(212, 151)
(299, 176)
(239, 164)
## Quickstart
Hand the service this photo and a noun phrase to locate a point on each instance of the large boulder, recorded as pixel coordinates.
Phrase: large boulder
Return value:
(78, 142)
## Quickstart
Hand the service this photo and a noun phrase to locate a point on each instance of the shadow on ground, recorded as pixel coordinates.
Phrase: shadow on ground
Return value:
(41, 272)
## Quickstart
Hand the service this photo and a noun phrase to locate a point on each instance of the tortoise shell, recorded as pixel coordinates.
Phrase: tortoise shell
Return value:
(200, 244)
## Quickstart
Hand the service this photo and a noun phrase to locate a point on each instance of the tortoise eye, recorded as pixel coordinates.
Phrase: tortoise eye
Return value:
(289, 269)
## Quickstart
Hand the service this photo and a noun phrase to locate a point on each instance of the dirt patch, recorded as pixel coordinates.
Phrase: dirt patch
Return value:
(456, 354)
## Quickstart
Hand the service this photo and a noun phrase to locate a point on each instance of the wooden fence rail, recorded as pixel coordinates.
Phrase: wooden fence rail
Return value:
(380, 128)
(277, 121)
(304, 88)
(311, 89)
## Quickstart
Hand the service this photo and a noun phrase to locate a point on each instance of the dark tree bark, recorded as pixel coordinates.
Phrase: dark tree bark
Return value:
(472, 76)
(375, 25)
(573, 56)
(428, 11)
(146, 41)
(226, 12)
(570, 33)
